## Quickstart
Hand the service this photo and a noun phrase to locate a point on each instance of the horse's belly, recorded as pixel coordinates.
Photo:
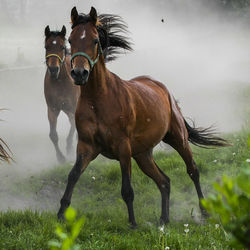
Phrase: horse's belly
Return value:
(150, 134)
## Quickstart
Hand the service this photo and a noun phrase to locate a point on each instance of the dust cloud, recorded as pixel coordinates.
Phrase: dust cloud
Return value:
(200, 52)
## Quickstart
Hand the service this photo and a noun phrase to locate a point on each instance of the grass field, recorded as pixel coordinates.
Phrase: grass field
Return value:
(97, 197)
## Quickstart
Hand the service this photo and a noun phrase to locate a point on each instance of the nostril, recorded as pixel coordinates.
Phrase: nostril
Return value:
(73, 74)
(53, 70)
(85, 74)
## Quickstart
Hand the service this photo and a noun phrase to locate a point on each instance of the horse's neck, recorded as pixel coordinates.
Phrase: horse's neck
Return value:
(100, 81)
(63, 73)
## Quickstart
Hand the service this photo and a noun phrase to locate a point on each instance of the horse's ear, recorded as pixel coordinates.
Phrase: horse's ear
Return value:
(63, 31)
(47, 31)
(93, 15)
(74, 15)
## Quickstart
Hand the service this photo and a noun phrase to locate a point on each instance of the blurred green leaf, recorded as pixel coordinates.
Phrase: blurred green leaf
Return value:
(77, 227)
(68, 238)
(60, 233)
(70, 214)
(54, 245)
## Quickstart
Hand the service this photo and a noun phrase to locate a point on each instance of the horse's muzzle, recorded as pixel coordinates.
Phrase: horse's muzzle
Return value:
(80, 75)
(54, 72)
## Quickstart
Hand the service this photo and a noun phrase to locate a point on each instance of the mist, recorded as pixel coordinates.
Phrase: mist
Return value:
(197, 50)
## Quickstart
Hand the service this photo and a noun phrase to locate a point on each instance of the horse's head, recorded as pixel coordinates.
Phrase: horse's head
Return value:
(85, 45)
(55, 50)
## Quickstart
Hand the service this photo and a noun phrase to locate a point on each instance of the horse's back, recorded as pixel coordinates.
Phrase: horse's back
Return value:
(151, 91)
(149, 81)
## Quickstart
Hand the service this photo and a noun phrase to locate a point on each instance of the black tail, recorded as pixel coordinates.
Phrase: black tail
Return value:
(204, 137)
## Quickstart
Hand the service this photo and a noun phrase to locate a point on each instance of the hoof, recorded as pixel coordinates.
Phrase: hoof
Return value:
(133, 226)
(60, 216)
(204, 214)
(61, 159)
(164, 221)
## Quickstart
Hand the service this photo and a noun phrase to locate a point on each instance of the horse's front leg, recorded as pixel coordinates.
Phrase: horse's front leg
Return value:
(127, 190)
(69, 147)
(85, 154)
(52, 116)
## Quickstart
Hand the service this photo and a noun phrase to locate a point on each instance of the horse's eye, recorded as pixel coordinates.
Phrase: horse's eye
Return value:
(96, 41)
(69, 41)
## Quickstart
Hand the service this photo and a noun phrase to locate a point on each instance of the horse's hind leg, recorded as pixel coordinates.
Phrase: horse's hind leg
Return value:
(147, 164)
(181, 145)
(52, 116)
(69, 146)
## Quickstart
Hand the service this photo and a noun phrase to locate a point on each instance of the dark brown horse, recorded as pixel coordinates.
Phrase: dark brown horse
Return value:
(60, 92)
(123, 119)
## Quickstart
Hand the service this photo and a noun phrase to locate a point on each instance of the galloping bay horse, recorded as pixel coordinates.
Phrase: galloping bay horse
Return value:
(122, 119)
(61, 93)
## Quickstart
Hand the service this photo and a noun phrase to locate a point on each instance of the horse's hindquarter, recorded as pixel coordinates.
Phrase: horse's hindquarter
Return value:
(153, 112)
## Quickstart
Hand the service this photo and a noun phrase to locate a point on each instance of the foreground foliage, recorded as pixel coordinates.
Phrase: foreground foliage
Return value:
(231, 207)
(68, 237)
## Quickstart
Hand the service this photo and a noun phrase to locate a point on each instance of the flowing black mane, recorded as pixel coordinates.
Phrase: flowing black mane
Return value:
(112, 33)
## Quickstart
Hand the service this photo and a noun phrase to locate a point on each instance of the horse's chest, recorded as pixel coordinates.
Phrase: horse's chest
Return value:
(91, 127)
(104, 135)
(61, 101)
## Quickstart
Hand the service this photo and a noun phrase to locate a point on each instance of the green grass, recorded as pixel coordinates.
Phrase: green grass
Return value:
(100, 201)
(31, 230)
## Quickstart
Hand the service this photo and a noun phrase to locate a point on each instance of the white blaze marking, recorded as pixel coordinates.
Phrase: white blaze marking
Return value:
(83, 35)
(54, 42)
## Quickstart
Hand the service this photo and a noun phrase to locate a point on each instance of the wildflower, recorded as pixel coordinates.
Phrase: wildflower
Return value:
(109, 220)
(161, 229)
(185, 225)
(93, 178)
(167, 248)
(214, 161)
(217, 226)
(247, 160)
(186, 230)
(234, 153)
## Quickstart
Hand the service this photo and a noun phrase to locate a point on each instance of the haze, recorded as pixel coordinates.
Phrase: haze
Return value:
(198, 51)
